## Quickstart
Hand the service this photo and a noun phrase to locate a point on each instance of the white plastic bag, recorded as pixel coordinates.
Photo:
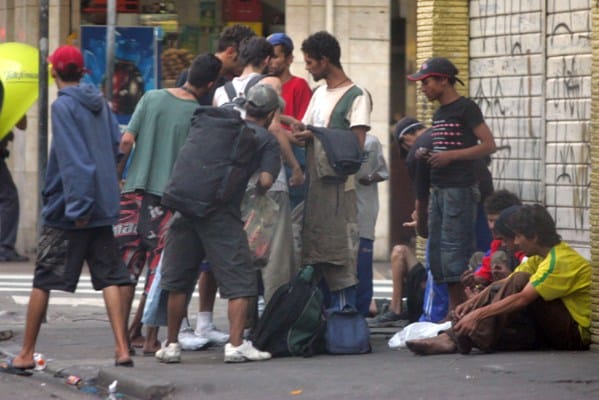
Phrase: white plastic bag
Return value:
(417, 330)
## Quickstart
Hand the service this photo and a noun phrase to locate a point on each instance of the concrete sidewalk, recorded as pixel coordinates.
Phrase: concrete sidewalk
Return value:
(77, 341)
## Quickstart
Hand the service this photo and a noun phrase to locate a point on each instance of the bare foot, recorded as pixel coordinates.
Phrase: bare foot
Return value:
(149, 348)
(23, 362)
(440, 344)
(138, 341)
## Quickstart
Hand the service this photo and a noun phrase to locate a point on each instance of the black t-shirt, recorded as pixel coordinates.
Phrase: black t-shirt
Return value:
(206, 99)
(266, 159)
(418, 168)
(453, 126)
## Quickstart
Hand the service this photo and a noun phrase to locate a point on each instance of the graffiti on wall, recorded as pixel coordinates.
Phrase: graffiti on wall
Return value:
(530, 73)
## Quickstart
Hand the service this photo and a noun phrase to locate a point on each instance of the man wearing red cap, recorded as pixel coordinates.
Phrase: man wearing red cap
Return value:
(80, 205)
(460, 136)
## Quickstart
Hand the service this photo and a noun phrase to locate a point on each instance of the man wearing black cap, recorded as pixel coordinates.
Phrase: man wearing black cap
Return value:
(459, 138)
(217, 234)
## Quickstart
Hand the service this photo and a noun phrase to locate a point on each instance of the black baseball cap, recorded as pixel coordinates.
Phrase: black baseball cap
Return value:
(502, 225)
(404, 126)
(436, 66)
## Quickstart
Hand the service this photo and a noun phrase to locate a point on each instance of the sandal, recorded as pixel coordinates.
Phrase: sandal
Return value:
(124, 363)
(6, 334)
(7, 367)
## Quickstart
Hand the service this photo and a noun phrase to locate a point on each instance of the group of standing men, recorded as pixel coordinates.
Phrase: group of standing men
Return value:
(81, 193)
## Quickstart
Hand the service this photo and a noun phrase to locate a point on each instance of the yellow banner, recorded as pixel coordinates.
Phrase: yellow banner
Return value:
(19, 75)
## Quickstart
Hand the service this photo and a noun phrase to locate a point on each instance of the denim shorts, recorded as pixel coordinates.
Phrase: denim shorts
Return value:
(452, 216)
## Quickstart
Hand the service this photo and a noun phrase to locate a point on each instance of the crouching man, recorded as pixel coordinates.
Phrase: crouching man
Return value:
(544, 303)
(209, 226)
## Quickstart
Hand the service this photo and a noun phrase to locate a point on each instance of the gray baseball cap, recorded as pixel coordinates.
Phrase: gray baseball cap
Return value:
(264, 99)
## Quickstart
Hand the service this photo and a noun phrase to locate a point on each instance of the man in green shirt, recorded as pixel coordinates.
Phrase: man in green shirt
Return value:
(158, 129)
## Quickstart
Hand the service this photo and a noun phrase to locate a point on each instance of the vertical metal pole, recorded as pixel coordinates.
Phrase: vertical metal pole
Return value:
(110, 23)
(42, 158)
(329, 16)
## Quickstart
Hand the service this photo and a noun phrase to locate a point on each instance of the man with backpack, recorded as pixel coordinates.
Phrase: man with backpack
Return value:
(330, 233)
(255, 55)
(208, 223)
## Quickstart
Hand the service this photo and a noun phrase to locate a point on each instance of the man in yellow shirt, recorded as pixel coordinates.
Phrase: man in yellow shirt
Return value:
(545, 302)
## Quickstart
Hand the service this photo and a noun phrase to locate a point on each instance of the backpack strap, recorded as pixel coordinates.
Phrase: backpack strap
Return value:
(230, 89)
(339, 113)
(253, 81)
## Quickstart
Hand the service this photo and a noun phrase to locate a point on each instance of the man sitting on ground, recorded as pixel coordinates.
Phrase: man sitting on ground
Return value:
(550, 291)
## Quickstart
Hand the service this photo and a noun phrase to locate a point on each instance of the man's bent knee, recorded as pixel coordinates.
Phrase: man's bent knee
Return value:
(399, 251)
(519, 280)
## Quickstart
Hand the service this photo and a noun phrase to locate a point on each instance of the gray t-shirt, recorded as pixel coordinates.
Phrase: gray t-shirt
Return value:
(368, 195)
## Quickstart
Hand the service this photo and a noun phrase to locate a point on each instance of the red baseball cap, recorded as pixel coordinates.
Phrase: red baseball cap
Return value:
(65, 56)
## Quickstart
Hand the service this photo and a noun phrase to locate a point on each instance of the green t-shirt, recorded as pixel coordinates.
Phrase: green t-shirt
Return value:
(160, 124)
(563, 274)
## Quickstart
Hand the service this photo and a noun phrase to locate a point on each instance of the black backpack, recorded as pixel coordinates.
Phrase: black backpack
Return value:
(213, 164)
(293, 322)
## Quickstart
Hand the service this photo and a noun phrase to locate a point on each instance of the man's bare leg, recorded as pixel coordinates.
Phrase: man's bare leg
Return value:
(114, 309)
(38, 303)
(127, 294)
(402, 259)
(237, 313)
(151, 343)
(135, 329)
(177, 302)
(440, 344)
(206, 291)
(456, 296)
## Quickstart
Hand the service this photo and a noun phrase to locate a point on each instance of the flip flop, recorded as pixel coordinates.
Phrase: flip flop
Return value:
(6, 334)
(124, 363)
(7, 367)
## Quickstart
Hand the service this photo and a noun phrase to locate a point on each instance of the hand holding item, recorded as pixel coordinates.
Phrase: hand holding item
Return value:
(440, 159)
(297, 177)
(303, 136)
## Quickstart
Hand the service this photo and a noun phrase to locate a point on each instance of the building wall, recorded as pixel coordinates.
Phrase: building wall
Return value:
(530, 69)
(362, 28)
(531, 64)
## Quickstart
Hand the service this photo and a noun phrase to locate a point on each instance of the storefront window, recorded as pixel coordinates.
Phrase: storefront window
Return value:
(188, 27)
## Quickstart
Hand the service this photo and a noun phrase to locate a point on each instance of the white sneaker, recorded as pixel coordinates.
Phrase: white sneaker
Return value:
(244, 352)
(169, 354)
(213, 335)
(190, 341)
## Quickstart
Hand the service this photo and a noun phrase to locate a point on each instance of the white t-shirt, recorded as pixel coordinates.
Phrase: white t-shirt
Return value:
(323, 103)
